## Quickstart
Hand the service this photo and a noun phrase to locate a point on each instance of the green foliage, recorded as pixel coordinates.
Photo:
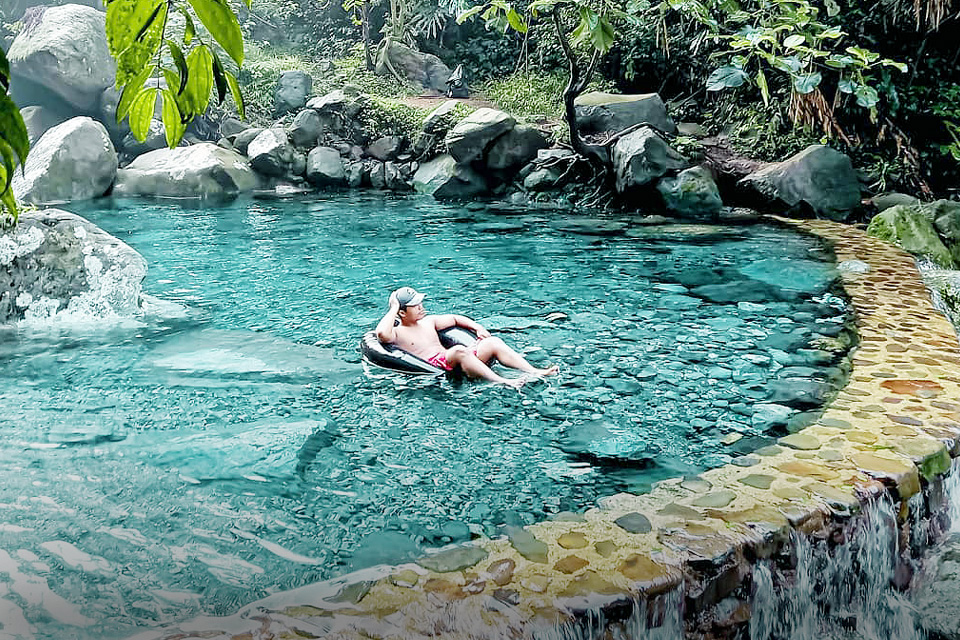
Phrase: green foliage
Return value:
(758, 132)
(526, 94)
(387, 116)
(14, 143)
(137, 35)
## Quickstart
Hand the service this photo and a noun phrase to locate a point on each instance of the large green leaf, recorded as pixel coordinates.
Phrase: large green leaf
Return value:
(764, 87)
(794, 41)
(200, 82)
(181, 63)
(866, 96)
(222, 24)
(13, 131)
(173, 126)
(515, 21)
(806, 82)
(219, 78)
(725, 77)
(141, 113)
(463, 16)
(134, 33)
(4, 70)
(235, 92)
(130, 91)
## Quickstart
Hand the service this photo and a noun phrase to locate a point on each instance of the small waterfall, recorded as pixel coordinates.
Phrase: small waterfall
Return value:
(951, 490)
(660, 618)
(831, 587)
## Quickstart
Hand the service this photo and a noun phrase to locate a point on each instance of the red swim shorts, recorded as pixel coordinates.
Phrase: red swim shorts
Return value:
(440, 361)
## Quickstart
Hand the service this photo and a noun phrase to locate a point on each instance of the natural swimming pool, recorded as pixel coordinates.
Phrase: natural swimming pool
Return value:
(233, 445)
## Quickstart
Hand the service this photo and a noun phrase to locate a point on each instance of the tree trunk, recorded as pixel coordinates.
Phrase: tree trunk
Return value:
(365, 31)
(577, 81)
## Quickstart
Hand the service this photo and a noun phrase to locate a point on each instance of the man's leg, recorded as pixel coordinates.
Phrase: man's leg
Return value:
(476, 368)
(490, 348)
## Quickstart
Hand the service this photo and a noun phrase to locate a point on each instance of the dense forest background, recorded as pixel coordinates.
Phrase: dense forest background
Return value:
(878, 80)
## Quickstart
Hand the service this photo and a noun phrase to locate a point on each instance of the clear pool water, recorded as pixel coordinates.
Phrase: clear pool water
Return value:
(231, 445)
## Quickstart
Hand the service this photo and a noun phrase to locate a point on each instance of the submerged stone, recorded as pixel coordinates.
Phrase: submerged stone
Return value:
(453, 559)
(634, 523)
(527, 544)
(572, 540)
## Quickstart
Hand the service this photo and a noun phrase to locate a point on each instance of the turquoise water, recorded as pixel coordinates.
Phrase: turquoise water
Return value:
(230, 444)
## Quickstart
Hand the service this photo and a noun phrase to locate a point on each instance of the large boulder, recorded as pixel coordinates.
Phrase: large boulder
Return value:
(937, 592)
(444, 178)
(306, 128)
(818, 177)
(691, 194)
(911, 230)
(198, 171)
(324, 168)
(64, 49)
(469, 139)
(74, 160)
(516, 147)
(423, 69)
(292, 90)
(55, 262)
(39, 120)
(271, 153)
(946, 219)
(642, 156)
(599, 111)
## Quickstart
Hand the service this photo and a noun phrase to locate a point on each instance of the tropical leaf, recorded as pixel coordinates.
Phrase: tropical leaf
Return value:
(794, 41)
(13, 131)
(515, 21)
(141, 112)
(725, 77)
(846, 85)
(764, 88)
(806, 82)
(866, 96)
(219, 78)
(197, 94)
(134, 31)
(222, 24)
(235, 92)
(181, 63)
(463, 16)
(130, 91)
(173, 126)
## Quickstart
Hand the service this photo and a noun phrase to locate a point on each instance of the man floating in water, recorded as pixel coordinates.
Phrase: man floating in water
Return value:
(417, 334)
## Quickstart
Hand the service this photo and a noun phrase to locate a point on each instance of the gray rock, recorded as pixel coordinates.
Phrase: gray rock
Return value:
(306, 128)
(244, 138)
(467, 141)
(515, 148)
(453, 559)
(691, 194)
(634, 523)
(799, 392)
(64, 49)
(884, 201)
(156, 139)
(74, 160)
(641, 157)
(819, 177)
(422, 69)
(354, 172)
(199, 171)
(337, 101)
(39, 120)
(54, 261)
(271, 153)
(444, 178)
(598, 111)
(377, 176)
(768, 416)
(946, 220)
(436, 120)
(394, 177)
(292, 90)
(231, 126)
(387, 148)
(324, 168)
(912, 230)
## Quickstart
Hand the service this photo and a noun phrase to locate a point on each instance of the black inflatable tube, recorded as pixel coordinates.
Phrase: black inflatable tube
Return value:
(389, 356)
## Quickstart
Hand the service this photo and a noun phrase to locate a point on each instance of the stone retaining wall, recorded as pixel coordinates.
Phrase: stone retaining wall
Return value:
(892, 429)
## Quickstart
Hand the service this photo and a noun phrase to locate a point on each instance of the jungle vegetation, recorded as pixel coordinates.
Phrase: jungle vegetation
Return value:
(878, 79)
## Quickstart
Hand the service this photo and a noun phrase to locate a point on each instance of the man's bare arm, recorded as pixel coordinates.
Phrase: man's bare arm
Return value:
(386, 332)
(448, 320)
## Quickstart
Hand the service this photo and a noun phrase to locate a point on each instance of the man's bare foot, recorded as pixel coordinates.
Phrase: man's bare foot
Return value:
(515, 383)
(549, 371)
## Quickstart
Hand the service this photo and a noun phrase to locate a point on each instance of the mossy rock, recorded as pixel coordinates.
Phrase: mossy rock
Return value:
(913, 231)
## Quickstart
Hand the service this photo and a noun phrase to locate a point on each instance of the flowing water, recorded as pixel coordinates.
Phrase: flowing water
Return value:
(228, 443)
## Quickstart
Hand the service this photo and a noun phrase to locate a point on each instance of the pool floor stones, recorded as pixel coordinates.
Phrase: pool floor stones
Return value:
(891, 430)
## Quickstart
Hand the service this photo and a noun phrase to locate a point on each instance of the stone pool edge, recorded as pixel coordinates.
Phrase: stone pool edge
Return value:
(892, 429)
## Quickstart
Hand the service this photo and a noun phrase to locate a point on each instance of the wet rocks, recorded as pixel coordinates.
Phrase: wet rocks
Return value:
(55, 262)
(641, 157)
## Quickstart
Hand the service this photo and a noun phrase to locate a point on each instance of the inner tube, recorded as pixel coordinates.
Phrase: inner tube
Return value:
(393, 357)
